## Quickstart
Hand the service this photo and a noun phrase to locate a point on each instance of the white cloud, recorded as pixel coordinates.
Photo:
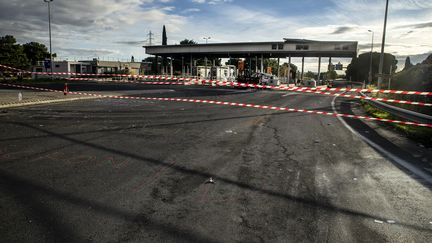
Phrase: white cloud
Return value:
(104, 24)
(373, 5)
(92, 25)
(191, 10)
(212, 2)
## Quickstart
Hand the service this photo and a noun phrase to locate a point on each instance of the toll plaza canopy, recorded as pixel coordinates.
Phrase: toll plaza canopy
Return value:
(282, 49)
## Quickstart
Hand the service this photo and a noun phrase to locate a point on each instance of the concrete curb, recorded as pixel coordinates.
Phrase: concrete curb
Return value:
(15, 104)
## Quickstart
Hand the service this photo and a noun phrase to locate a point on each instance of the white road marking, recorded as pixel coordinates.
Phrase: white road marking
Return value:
(393, 157)
(289, 94)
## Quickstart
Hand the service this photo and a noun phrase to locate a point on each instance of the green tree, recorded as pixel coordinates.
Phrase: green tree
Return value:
(408, 63)
(309, 74)
(358, 69)
(271, 63)
(35, 52)
(188, 42)
(164, 36)
(233, 61)
(12, 54)
(331, 74)
(284, 70)
(428, 60)
(154, 64)
(164, 43)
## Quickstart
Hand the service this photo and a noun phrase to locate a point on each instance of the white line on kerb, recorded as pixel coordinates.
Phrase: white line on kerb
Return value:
(393, 157)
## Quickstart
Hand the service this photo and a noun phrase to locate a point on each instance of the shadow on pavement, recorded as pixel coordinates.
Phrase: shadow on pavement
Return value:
(370, 133)
(292, 114)
(26, 191)
(11, 180)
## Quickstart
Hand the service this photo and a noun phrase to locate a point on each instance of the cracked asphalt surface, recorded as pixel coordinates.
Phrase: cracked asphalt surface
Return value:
(108, 170)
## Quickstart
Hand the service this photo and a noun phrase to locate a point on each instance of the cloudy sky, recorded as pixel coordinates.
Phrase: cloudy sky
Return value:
(117, 29)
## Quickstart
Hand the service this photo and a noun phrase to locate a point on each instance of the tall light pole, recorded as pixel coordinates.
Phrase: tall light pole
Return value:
(206, 39)
(381, 64)
(370, 62)
(205, 58)
(49, 26)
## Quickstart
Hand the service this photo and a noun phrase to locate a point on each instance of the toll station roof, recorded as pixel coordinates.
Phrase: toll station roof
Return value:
(275, 49)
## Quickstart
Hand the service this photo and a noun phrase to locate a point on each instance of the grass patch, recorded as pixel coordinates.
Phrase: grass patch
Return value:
(419, 134)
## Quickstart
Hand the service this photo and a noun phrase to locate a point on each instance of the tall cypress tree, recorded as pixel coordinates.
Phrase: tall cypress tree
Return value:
(408, 63)
(164, 36)
(164, 43)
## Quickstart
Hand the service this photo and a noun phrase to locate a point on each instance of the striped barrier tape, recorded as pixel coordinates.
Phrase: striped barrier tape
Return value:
(257, 86)
(401, 92)
(93, 74)
(126, 81)
(231, 104)
(235, 84)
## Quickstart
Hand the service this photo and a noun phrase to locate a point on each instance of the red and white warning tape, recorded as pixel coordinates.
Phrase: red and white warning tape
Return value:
(230, 104)
(295, 89)
(402, 92)
(127, 81)
(93, 74)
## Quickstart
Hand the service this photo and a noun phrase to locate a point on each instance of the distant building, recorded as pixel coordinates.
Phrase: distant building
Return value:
(63, 66)
(339, 66)
(94, 66)
(100, 67)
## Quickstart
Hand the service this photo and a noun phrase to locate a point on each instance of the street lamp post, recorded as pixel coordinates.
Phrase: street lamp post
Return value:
(370, 62)
(205, 59)
(206, 39)
(49, 26)
(381, 64)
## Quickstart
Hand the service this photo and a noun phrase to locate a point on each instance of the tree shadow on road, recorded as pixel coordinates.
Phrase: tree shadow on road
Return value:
(313, 204)
(278, 113)
(27, 191)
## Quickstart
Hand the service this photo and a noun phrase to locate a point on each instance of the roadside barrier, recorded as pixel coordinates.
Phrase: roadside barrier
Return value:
(229, 104)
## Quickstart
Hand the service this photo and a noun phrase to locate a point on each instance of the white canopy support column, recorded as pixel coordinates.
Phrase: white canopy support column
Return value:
(319, 69)
(262, 63)
(205, 69)
(191, 65)
(278, 69)
(302, 72)
(289, 68)
(183, 67)
(171, 67)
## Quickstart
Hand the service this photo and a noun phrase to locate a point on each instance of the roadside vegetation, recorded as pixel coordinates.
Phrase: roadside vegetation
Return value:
(421, 135)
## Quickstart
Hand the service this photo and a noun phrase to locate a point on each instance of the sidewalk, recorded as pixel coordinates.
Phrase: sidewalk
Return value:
(10, 97)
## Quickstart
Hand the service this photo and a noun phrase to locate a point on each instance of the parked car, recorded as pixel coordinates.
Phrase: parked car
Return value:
(267, 79)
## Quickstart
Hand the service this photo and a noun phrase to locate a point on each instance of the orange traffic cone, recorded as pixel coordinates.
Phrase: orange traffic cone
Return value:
(65, 89)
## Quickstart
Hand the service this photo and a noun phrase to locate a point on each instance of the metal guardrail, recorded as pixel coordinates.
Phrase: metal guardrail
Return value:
(400, 112)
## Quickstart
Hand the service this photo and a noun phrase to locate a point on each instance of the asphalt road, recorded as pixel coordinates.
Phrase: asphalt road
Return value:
(108, 170)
